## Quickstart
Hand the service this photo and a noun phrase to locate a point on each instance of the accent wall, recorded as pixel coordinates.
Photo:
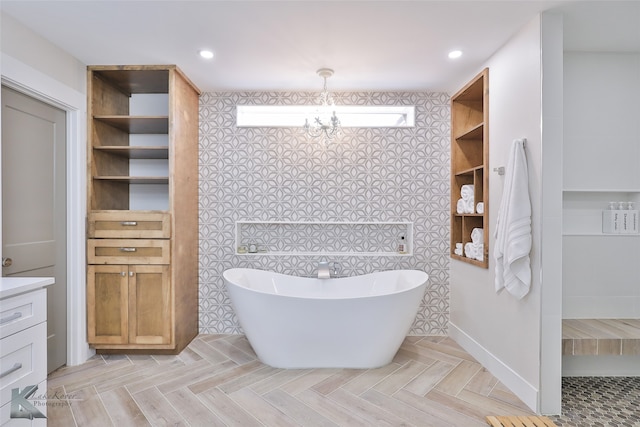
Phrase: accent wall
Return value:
(370, 175)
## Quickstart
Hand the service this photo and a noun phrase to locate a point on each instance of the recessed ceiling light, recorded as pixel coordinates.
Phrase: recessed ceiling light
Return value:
(455, 54)
(206, 54)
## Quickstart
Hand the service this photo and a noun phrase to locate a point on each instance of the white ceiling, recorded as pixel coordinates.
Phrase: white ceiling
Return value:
(279, 45)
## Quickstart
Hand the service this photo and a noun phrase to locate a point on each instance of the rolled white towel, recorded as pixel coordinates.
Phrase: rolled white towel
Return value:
(466, 192)
(477, 236)
(459, 250)
(467, 195)
(480, 207)
(461, 206)
(468, 206)
(469, 250)
(479, 252)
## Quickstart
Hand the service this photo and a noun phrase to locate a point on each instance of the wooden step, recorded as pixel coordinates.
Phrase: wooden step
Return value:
(598, 337)
(529, 421)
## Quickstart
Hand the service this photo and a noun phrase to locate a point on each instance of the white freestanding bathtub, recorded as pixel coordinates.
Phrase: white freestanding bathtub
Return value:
(350, 322)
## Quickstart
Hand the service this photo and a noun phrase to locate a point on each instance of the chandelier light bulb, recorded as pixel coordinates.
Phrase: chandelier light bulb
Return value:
(326, 124)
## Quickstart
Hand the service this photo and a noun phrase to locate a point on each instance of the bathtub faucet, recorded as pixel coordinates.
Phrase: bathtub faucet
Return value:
(326, 269)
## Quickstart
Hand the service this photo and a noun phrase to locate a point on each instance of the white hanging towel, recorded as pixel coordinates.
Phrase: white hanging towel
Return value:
(513, 229)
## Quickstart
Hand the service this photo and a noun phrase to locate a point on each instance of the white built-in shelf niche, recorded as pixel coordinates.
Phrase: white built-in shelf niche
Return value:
(276, 238)
(582, 210)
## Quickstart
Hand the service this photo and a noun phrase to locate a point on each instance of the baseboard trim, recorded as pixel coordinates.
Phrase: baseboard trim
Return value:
(601, 366)
(507, 376)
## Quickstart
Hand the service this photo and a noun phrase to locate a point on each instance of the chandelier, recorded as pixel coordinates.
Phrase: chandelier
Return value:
(326, 124)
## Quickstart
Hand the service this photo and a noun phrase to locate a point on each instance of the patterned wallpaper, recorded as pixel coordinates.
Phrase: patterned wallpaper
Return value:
(369, 175)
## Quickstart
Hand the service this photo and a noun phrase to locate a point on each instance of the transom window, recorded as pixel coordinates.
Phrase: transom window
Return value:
(359, 116)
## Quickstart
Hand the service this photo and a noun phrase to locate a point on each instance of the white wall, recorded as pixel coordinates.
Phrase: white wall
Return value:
(601, 154)
(503, 333)
(34, 66)
(31, 49)
(601, 121)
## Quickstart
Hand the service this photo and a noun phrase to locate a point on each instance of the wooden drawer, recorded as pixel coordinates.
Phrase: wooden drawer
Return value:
(128, 251)
(22, 311)
(128, 225)
(23, 360)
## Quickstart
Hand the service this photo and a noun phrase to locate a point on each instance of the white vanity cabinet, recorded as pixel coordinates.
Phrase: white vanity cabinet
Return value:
(23, 345)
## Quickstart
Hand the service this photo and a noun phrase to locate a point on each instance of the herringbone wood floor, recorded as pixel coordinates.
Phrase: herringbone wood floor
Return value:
(217, 381)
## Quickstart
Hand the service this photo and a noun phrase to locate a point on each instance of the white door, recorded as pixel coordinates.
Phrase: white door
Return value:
(34, 205)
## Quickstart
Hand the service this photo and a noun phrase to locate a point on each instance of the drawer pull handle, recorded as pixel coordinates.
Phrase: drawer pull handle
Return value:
(128, 249)
(129, 223)
(8, 319)
(11, 370)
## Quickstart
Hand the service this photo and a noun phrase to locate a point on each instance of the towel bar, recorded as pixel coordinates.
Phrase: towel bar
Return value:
(500, 169)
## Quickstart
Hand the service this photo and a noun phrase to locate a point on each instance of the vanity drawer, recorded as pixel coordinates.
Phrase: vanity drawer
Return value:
(128, 225)
(128, 251)
(23, 360)
(22, 311)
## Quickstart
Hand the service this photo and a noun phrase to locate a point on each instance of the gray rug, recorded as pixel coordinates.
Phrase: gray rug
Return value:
(600, 402)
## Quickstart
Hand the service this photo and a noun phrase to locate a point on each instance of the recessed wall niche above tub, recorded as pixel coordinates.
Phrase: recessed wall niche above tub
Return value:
(324, 238)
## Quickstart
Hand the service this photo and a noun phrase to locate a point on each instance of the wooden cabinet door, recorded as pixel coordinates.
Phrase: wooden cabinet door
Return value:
(150, 316)
(107, 304)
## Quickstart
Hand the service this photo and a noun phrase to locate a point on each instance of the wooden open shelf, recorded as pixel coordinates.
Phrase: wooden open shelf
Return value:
(130, 79)
(131, 152)
(135, 179)
(470, 162)
(137, 124)
(473, 133)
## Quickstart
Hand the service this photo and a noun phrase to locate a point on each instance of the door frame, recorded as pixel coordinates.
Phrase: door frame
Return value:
(29, 81)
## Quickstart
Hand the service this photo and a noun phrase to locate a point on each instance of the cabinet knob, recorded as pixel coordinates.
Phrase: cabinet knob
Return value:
(131, 274)
(122, 273)
(6, 262)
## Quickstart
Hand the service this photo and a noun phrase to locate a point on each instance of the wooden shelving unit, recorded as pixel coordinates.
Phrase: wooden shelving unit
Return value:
(142, 262)
(470, 162)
